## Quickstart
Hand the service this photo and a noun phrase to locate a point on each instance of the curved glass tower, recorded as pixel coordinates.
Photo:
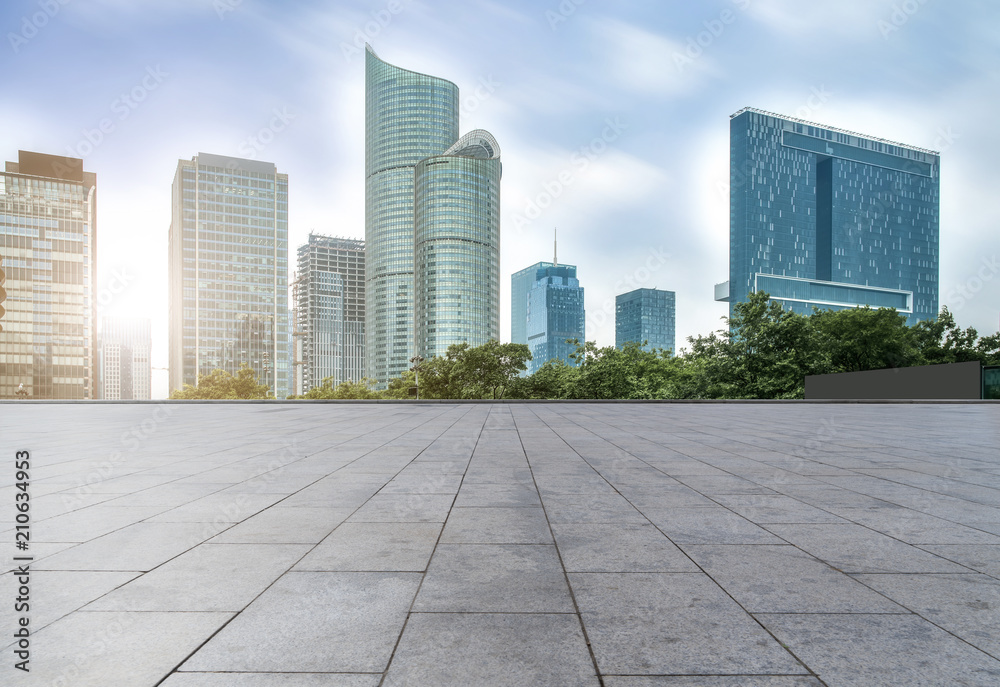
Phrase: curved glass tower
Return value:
(408, 117)
(456, 245)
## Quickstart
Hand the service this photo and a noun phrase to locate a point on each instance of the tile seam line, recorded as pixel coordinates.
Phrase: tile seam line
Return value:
(175, 670)
(562, 564)
(811, 672)
(437, 542)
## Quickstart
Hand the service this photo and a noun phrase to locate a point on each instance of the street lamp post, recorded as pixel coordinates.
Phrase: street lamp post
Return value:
(416, 360)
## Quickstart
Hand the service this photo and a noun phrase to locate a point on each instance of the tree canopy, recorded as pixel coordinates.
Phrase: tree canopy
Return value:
(219, 384)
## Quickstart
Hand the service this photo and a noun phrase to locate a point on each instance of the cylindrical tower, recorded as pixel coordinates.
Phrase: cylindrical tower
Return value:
(456, 246)
(408, 117)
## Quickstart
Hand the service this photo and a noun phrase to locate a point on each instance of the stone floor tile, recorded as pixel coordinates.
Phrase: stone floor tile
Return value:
(496, 526)
(375, 546)
(497, 578)
(405, 508)
(314, 622)
(968, 606)
(278, 525)
(141, 547)
(618, 548)
(673, 623)
(774, 508)
(882, 651)
(499, 650)
(180, 679)
(209, 577)
(784, 579)
(708, 526)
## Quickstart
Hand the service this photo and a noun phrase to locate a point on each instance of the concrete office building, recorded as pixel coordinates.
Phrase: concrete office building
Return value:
(646, 316)
(229, 271)
(48, 240)
(329, 297)
(831, 218)
(431, 221)
(126, 374)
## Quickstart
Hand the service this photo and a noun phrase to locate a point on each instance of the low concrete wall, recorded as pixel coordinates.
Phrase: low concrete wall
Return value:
(950, 381)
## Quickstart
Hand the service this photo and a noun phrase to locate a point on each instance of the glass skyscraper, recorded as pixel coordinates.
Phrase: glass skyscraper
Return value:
(229, 271)
(457, 246)
(520, 284)
(409, 119)
(48, 236)
(329, 311)
(830, 218)
(646, 315)
(554, 312)
(126, 374)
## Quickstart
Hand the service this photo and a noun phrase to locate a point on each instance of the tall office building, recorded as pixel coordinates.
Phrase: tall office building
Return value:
(229, 271)
(830, 218)
(48, 236)
(329, 294)
(126, 374)
(409, 118)
(554, 312)
(457, 246)
(646, 315)
(520, 284)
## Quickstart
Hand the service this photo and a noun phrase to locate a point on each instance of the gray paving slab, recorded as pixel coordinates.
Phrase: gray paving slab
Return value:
(708, 526)
(984, 559)
(775, 508)
(592, 547)
(855, 650)
(141, 547)
(673, 623)
(209, 577)
(272, 680)
(285, 525)
(856, 549)
(968, 606)
(375, 546)
(496, 526)
(405, 508)
(917, 487)
(496, 649)
(497, 578)
(730, 681)
(593, 508)
(88, 649)
(314, 622)
(784, 579)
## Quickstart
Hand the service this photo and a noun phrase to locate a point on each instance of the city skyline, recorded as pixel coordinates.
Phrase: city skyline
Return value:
(613, 118)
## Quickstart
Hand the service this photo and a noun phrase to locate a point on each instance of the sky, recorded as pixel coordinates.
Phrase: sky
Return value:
(612, 118)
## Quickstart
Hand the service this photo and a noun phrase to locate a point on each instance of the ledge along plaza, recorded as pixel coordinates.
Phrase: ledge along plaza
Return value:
(617, 544)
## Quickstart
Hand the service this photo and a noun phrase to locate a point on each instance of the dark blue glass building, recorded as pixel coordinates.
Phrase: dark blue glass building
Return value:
(645, 315)
(829, 218)
(553, 312)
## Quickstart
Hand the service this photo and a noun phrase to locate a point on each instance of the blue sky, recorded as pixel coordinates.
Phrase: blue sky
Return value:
(612, 117)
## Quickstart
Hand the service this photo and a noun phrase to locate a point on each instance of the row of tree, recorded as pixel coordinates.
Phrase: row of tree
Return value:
(764, 352)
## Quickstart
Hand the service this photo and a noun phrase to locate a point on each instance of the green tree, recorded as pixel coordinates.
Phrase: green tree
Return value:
(555, 379)
(219, 384)
(363, 389)
(630, 372)
(942, 341)
(765, 353)
(864, 339)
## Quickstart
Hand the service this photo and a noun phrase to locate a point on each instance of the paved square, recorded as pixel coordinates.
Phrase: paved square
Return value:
(433, 544)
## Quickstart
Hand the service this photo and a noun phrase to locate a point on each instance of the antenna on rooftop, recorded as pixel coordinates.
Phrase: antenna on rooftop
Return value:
(555, 246)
